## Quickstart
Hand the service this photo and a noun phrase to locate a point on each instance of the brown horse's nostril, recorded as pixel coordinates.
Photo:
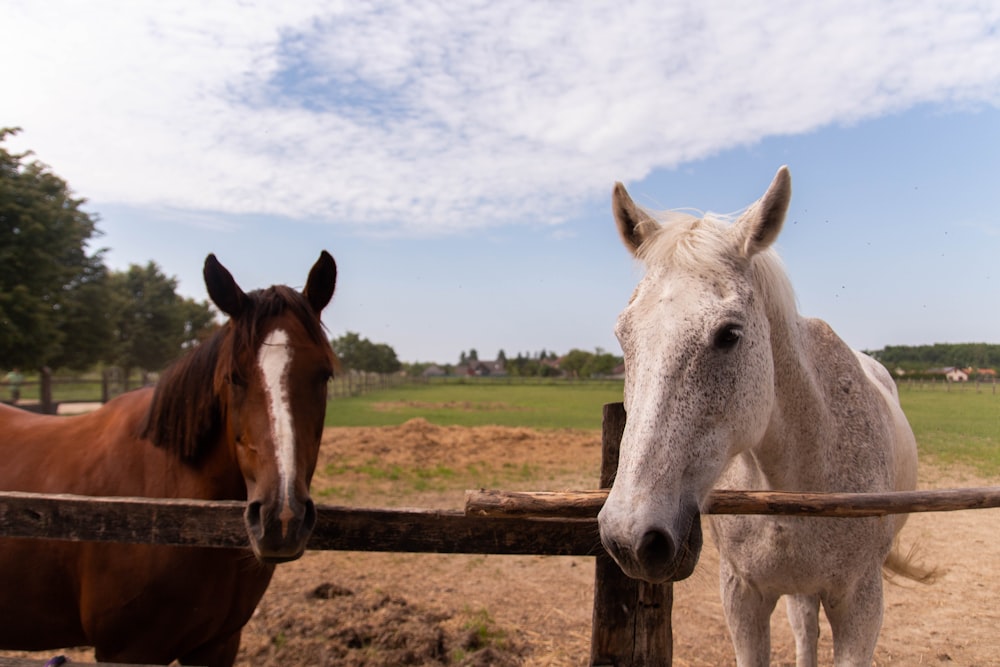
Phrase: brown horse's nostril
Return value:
(253, 518)
(309, 519)
(277, 538)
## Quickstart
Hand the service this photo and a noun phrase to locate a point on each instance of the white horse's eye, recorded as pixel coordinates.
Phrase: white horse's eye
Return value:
(728, 336)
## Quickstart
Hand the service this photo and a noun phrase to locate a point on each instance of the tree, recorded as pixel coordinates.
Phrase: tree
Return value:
(86, 323)
(361, 354)
(575, 362)
(152, 323)
(48, 278)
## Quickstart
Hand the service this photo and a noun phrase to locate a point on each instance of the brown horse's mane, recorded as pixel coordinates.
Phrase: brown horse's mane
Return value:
(187, 413)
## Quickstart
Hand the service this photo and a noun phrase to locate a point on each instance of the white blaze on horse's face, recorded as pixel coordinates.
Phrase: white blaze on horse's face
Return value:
(698, 378)
(275, 360)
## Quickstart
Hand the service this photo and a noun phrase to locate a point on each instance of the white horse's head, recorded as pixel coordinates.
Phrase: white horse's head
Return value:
(699, 374)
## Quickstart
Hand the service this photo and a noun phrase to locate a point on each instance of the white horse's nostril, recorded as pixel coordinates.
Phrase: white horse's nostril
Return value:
(655, 549)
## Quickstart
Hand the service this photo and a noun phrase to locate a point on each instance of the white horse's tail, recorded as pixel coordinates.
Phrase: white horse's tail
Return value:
(898, 564)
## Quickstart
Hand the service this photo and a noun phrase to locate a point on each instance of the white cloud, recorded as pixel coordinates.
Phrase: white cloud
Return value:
(415, 118)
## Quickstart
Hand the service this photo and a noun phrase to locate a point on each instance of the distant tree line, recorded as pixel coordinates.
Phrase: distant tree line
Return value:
(60, 306)
(545, 363)
(921, 358)
(360, 354)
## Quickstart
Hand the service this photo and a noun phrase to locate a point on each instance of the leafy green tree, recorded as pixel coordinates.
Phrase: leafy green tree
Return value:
(924, 357)
(87, 324)
(602, 363)
(152, 323)
(49, 280)
(361, 354)
(575, 361)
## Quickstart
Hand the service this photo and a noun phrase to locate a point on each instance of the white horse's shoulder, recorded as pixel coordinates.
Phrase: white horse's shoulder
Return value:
(824, 344)
(878, 374)
(845, 365)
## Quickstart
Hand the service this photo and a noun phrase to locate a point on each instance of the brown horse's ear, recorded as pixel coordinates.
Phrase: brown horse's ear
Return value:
(222, 289)
(634, 224)
(760, 225)
(321, 282)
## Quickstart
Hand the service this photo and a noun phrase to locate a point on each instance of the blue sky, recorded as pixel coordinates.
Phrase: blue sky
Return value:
(459, 164)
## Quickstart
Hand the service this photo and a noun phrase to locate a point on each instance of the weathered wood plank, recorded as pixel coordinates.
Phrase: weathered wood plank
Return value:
(451, 531)
(131, 520)
(584, 504)
(220, 524)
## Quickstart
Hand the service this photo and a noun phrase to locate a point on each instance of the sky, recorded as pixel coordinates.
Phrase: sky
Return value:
(457, 158)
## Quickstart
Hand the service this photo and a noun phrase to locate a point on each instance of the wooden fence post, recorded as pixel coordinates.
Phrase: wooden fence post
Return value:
(45, 391)
(632, 625)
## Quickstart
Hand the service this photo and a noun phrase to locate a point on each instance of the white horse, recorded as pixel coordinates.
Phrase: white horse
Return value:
(727, 386)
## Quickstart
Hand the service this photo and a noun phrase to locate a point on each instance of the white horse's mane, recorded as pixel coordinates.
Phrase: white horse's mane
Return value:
(690, 242)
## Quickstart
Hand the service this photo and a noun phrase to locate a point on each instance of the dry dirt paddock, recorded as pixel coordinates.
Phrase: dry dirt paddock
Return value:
(339, 608)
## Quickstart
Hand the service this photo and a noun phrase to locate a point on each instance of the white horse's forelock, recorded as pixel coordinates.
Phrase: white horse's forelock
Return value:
(688, 242)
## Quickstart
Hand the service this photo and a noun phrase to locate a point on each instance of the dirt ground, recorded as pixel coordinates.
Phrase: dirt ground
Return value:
(345, 608)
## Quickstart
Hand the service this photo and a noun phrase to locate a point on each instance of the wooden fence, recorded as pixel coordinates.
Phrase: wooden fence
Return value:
(356, 383)
(631, 619)
(49, 391)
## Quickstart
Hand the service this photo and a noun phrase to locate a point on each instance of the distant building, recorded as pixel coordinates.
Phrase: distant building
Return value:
(482, 369)
(956, 375)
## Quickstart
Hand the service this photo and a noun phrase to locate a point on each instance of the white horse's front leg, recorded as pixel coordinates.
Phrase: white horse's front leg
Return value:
(856, 619)
(803, 616)
(748, 615)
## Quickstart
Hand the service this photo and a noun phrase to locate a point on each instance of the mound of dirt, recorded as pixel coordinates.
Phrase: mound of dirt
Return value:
(419, 442)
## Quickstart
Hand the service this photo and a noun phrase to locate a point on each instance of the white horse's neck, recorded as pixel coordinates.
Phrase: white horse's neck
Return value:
(786, 458)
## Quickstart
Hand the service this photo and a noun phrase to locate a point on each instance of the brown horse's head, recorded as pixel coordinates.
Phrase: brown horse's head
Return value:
(259, 388)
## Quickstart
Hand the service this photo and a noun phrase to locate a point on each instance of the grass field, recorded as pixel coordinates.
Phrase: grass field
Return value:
(958, 426)
(479, 403)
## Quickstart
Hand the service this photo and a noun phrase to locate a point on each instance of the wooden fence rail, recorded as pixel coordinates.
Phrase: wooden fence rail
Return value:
(586, 504)
(219, 524)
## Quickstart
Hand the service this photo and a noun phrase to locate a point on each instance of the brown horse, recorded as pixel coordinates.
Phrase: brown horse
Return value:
(238, 417)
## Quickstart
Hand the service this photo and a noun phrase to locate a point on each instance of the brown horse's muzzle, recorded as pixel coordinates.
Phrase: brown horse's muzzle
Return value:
(279, 531)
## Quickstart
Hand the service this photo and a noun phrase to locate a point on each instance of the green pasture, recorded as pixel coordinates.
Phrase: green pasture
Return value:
(562, 404)
(956, 426)
(960, 426)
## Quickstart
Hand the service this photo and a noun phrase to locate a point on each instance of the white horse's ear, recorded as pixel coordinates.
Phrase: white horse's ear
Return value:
(760, 225)
(634, 224)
